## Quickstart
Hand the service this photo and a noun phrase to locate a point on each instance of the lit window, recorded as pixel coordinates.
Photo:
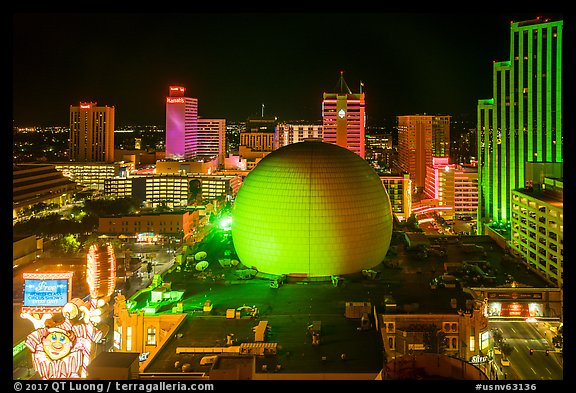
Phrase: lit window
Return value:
(151, 340)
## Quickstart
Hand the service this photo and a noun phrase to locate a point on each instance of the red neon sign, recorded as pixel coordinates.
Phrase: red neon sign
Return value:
(171, 100)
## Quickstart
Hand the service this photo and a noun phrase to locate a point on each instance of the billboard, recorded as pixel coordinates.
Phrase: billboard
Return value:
(46, 292)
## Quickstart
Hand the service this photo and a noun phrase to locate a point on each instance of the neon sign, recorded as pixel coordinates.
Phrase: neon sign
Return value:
(477, 359)
(101, 270)
(46, 292)
(85, 106)
(171, 100)
(64, 350)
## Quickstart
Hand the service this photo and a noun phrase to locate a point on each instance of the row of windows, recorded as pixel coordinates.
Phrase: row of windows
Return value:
(446, 327)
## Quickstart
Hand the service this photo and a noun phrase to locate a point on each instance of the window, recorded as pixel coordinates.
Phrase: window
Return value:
(151, 336)
(129, 338)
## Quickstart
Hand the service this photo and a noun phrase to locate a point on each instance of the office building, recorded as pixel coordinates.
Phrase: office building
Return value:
(181, 125)
(91, 133)
(344, 118)
(421, 137)
(522, 122)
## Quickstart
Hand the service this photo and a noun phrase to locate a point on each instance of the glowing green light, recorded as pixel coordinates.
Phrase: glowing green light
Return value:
(225, 223)
(312, 208)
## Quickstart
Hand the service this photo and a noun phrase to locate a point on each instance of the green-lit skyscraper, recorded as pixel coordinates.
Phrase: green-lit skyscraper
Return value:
(523, 121)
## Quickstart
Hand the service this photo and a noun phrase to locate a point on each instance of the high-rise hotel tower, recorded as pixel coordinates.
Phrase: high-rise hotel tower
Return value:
(420, 138)
(181, 125)
(523, 121)
(91, 133)
(344, 118)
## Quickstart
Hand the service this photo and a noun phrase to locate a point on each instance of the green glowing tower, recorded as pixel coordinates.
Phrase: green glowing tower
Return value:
(523, 121)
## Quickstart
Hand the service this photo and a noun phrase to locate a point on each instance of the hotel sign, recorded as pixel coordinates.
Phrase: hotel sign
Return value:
(514, 295)
(171, 100)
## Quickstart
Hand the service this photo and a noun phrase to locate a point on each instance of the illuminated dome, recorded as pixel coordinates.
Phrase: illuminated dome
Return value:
(312, 208)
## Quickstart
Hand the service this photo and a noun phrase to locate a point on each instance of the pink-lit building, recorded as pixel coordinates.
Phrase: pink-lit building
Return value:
(453, 186)
(181, 124)
(344, 118)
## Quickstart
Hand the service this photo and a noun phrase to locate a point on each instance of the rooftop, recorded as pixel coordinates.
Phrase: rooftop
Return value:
(345, 348)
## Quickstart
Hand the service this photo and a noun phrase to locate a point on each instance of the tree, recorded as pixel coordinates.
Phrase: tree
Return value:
(69, 244)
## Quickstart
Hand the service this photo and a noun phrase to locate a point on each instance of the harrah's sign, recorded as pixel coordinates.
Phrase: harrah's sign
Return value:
(171, 100)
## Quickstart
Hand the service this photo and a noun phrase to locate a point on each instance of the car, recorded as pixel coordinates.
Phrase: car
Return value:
(505, 362)
(497, 351)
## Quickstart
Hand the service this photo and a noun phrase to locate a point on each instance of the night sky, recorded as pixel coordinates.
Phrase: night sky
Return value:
(434, 63)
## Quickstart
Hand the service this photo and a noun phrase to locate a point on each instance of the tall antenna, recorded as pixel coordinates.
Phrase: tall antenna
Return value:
(262, 110)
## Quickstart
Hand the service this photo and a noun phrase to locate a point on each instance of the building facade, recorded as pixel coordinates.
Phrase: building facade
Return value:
(453, 186)
(258, 139)
(294, 133)
(93, 175)
(344, 118)
(260, 135)
(141, 333)
(460, 334)
(538, 228)
(522, 122)
(421, 137)
(399, 188)
(91, 133)
(181, 124)
(170, 224)
(212, 139)
(39, 183)
(173, 190)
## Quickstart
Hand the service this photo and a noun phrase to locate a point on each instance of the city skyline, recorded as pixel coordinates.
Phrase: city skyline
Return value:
(240, 65)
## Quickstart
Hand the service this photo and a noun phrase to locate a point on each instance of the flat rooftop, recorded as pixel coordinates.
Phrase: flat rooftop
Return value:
(344, 346)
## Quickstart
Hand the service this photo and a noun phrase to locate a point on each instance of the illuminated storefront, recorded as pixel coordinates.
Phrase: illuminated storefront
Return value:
(522, 302)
